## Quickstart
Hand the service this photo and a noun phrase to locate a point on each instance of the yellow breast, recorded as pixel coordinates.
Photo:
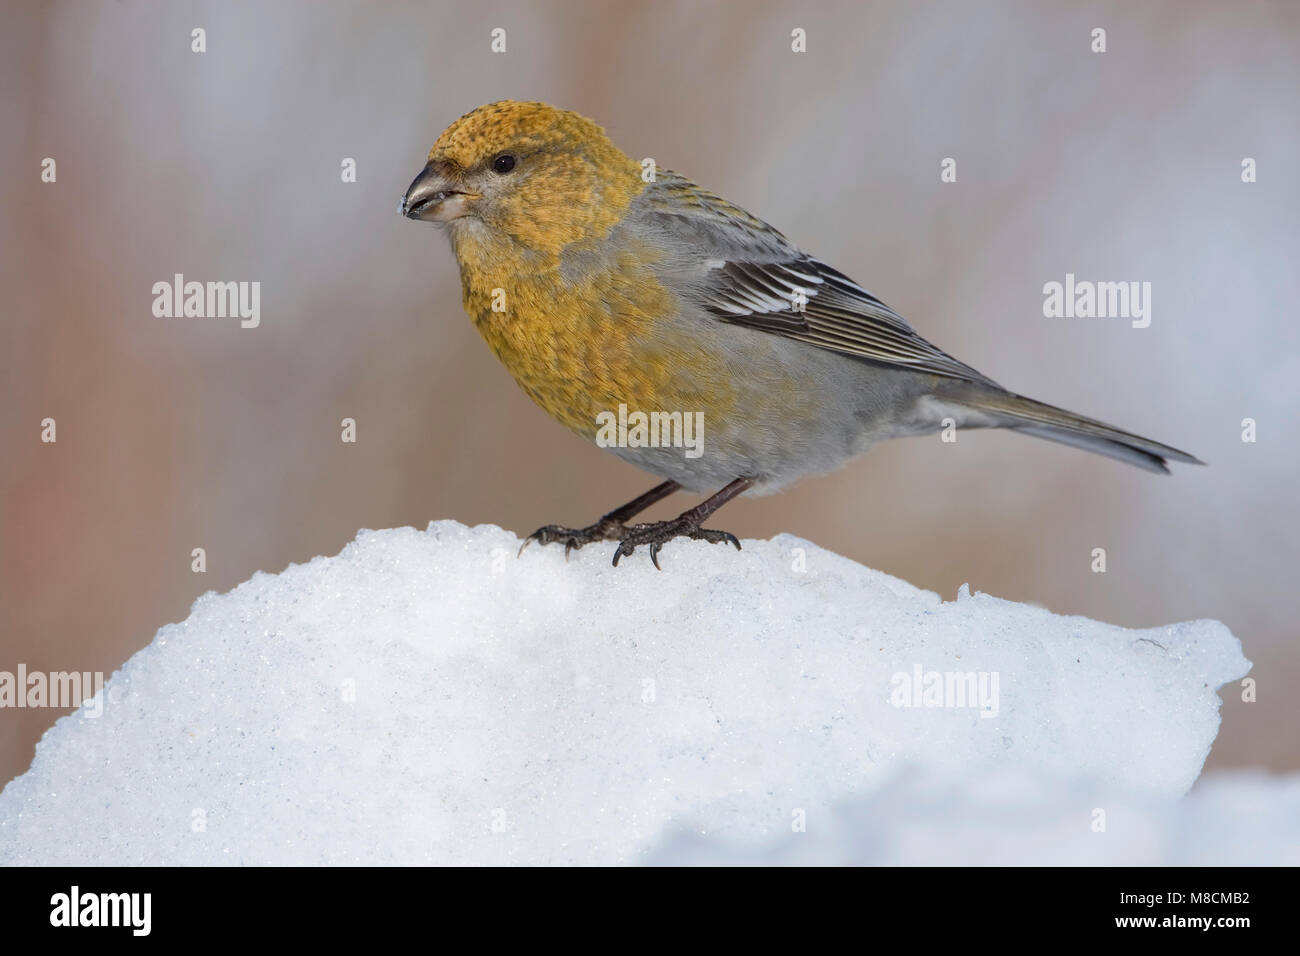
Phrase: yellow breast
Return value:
(581, 346)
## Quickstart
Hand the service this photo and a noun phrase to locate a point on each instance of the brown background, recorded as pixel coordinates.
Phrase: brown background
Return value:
(183, 433)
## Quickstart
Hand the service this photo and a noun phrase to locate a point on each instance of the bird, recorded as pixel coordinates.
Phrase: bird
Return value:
(608, 287)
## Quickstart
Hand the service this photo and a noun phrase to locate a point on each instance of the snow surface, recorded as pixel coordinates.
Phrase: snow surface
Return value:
(427, 697)
(1011, 816)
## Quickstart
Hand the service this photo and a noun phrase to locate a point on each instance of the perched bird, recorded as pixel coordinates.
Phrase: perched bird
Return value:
(607, 292)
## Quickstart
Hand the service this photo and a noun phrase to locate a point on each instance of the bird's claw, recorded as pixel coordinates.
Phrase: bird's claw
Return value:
(575, 538)
(659, 533)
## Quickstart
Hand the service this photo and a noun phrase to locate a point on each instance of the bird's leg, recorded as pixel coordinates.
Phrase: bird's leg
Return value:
(685, 525)
(608, 528)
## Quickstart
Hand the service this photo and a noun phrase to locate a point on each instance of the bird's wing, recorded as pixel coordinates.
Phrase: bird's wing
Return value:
(753, 276)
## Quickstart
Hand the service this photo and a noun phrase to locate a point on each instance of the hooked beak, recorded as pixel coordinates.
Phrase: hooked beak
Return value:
(432, 197)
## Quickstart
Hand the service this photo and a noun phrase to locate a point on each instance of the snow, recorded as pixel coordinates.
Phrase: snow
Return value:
(428, 697)
(1014, 817)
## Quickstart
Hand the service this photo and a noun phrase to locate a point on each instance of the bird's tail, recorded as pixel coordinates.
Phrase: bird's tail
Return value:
(1007, 410)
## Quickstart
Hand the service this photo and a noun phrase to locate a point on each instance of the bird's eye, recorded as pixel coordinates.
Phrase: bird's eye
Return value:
(503, 164)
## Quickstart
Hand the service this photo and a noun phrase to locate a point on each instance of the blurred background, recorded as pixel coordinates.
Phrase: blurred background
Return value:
(175, 434)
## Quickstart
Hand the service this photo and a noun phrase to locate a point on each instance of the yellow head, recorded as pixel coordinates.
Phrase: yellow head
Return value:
(529, 173)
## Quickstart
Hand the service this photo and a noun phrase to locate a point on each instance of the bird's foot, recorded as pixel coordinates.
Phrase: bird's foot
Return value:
(606, 529)
(658, 533)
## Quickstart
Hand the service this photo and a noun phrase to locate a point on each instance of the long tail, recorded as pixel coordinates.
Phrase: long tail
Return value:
(1007, 410)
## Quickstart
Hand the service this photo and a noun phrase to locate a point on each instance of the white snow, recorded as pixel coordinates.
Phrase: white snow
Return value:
(427, 697)
(1012, 816)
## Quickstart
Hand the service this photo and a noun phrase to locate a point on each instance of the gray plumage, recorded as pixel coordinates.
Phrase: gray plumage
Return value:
(822, 368)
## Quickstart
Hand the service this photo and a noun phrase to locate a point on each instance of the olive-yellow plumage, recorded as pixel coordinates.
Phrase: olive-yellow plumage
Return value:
(600, 288)
(565, 335)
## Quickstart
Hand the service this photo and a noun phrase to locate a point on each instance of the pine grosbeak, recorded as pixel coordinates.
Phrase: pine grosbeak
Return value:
(600, 289)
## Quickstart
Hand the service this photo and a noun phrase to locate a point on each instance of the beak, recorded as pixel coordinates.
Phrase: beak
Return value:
(434, 198)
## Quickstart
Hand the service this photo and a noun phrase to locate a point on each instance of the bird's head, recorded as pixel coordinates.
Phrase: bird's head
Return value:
(538, 176)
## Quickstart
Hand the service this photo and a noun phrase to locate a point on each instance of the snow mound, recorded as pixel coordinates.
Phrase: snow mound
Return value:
(427, 697)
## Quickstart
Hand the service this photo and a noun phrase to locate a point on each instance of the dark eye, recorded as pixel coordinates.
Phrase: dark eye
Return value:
(503, 164)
